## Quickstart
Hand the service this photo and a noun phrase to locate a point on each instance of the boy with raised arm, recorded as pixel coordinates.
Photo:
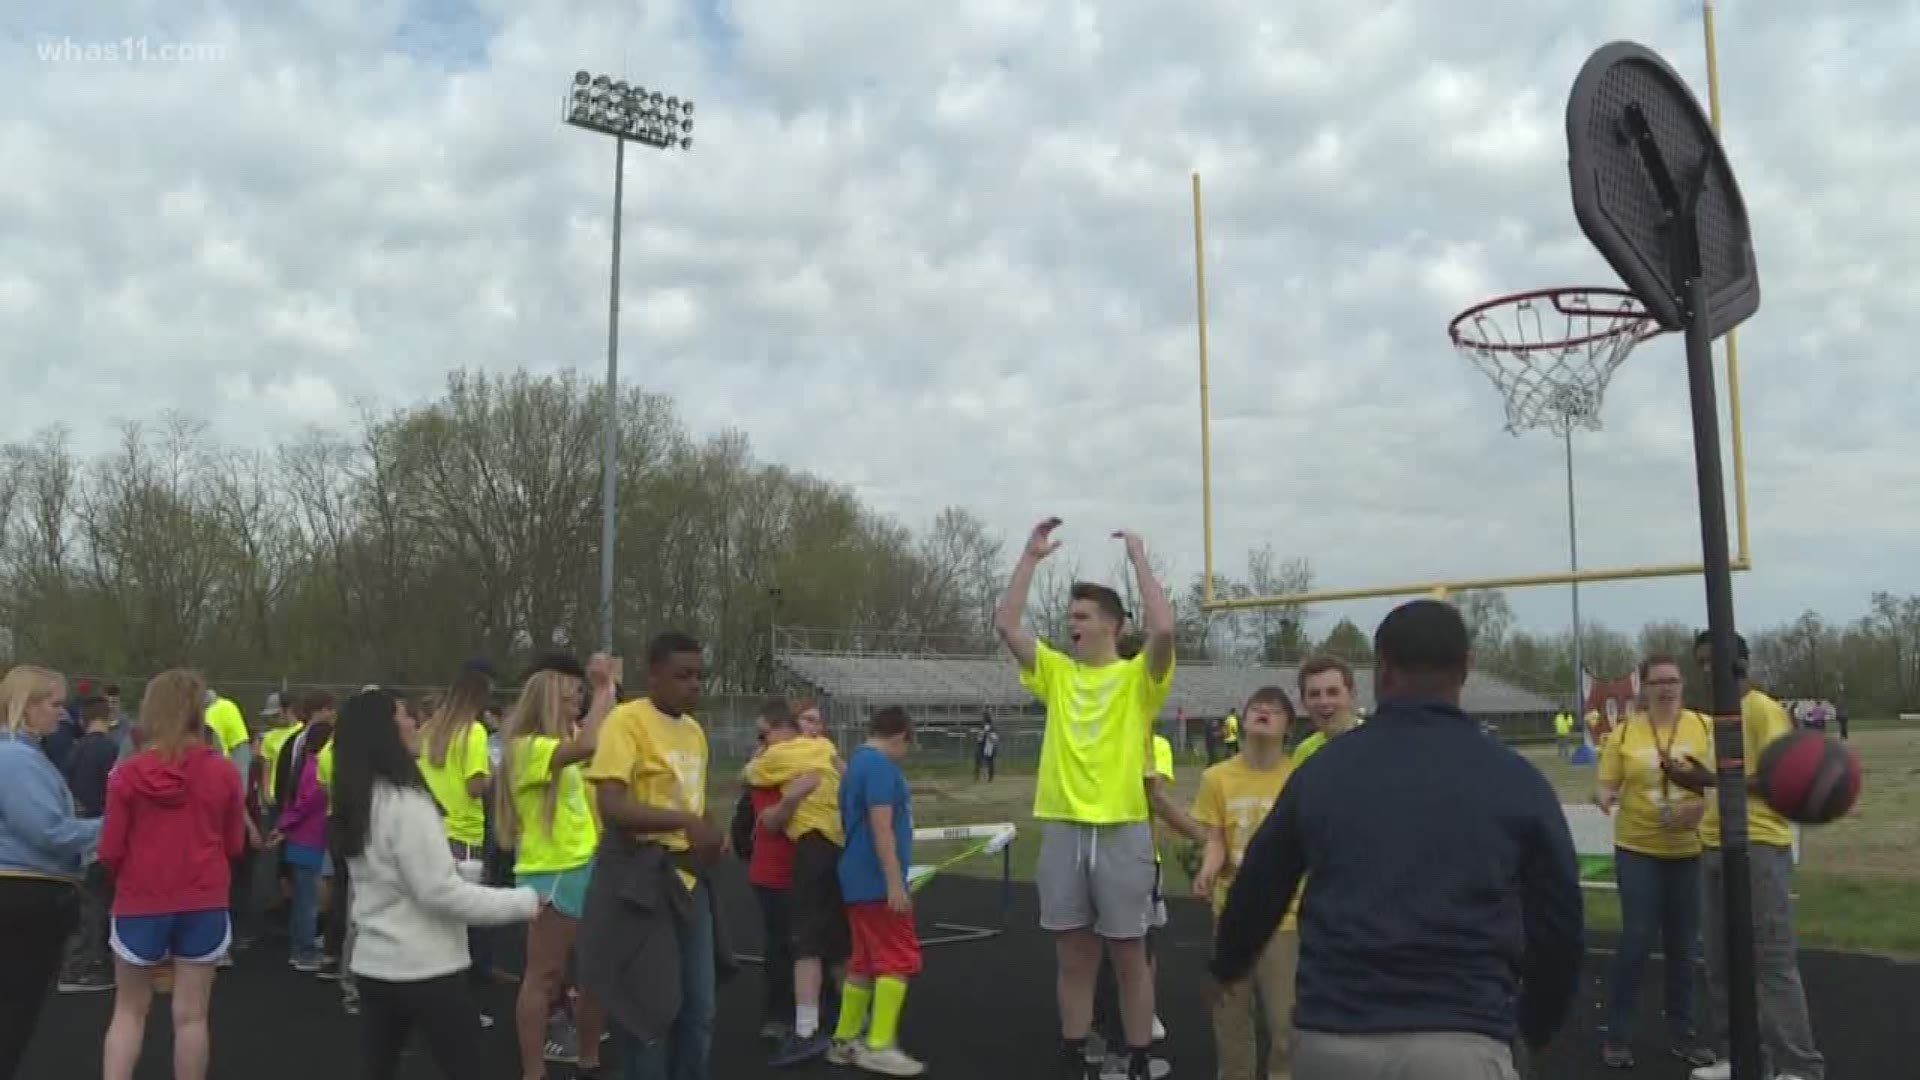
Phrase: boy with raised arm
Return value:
(1096, 873)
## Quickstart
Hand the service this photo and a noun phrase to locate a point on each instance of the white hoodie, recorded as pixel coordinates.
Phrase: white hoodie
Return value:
(411, 908)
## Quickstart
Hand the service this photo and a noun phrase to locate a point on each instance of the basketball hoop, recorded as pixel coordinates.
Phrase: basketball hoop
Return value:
(1551, 352)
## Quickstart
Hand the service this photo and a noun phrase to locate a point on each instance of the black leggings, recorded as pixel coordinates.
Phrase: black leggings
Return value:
(444, 1011)
(36, 916)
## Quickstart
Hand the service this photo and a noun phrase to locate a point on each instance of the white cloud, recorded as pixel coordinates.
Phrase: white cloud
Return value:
(943, 252)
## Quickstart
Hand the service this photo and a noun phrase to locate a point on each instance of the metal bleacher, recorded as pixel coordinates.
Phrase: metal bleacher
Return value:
(992, 684)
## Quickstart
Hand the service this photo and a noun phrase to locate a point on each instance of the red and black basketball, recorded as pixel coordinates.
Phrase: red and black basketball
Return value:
(1810, 778)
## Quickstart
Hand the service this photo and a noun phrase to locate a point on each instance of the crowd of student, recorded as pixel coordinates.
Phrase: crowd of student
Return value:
(1393, 898)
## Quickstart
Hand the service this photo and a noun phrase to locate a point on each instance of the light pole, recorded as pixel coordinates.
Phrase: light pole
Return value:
(629, 113)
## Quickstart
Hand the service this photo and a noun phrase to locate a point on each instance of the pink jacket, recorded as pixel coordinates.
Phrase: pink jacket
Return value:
(303, 820)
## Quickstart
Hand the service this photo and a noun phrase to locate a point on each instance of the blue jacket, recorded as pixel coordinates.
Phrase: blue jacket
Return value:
(40, 835)
(1442, 893)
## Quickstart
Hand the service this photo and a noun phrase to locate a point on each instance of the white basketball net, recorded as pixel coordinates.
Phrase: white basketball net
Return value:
(1552, 356)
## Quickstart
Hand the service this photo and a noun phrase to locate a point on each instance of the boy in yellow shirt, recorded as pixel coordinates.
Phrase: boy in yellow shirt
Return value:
(649, 774)
(1233, 800)
(807, 770)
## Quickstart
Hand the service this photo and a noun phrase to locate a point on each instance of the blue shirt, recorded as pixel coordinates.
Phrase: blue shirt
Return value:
(40, 835)
(872, 779)
(1442, 893)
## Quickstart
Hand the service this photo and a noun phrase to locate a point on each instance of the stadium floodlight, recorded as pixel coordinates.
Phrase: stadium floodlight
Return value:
(628, 113)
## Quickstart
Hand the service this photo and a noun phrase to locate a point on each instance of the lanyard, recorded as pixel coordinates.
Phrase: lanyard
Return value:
(1664, 750)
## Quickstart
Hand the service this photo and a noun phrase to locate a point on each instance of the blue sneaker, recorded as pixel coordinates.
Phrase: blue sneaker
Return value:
(798, 1050)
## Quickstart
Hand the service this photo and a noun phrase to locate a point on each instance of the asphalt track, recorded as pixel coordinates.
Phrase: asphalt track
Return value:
(982, 1009)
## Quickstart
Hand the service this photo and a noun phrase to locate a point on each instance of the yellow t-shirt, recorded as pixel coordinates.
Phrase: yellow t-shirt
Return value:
(323, 769)
(226, 723)
(467, 757)
(1235, 798)
(575, 833)
(1099, 724)
(783, 762)
(1763, 721)
(662, 760)
(1162, 767)
(270, 746)
(1630, 758)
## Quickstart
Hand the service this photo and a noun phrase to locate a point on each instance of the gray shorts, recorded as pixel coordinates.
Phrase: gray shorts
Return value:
(1430, 1055)
(1099, 877)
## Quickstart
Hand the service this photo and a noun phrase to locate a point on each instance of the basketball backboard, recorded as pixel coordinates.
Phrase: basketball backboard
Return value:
(1638, 145)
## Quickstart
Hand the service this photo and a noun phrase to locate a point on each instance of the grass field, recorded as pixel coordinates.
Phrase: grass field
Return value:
(1856, 882)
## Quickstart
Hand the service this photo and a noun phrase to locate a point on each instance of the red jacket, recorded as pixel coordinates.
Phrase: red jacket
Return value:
(172, 828)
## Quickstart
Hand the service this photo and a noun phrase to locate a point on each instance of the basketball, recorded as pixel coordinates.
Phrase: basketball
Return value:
(1810, 778)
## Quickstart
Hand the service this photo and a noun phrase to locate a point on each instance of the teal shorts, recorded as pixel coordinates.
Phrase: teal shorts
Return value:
(566, 890)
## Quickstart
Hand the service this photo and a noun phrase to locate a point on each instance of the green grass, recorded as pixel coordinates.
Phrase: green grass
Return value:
(1856, 881)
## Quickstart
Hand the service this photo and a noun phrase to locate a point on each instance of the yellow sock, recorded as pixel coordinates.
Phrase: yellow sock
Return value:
(889, 995)
(854, 1000)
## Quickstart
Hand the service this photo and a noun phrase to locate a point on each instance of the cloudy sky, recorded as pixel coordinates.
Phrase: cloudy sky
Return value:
(942, 252)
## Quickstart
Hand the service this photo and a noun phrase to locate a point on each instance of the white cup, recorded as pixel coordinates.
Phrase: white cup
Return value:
(470, 869)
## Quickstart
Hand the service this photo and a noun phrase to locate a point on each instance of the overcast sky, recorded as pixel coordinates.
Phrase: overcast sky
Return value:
(942, 253)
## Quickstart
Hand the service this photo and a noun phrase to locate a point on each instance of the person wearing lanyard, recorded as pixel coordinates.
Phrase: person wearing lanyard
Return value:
(1656, 859)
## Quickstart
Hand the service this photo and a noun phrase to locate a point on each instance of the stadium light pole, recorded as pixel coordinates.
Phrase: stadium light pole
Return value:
(628, 113)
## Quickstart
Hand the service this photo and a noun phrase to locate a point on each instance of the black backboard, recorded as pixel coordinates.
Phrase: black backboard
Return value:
(1616, 199)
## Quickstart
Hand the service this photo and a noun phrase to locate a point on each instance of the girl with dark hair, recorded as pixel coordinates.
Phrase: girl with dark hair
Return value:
(411, 903)
(303, 827)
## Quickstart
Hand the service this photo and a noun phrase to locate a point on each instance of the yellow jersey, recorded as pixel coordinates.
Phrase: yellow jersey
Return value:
(1763, 720)
(569, 841)
(229, 728)
(464, 813)
(1646, 819)
(1235, 798)
(660, 759)
(783, 762)
(1093, 755)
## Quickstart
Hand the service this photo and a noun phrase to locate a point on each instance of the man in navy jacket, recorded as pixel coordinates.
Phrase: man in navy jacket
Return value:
(1442, 918)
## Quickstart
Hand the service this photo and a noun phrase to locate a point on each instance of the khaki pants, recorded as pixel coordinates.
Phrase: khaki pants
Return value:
(1271, 990)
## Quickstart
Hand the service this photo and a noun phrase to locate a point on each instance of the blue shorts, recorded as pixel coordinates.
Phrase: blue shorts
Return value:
(192, 937)
(565, 890)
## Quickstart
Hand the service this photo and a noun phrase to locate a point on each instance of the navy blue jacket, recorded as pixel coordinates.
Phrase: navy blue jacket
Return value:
(1442, 889)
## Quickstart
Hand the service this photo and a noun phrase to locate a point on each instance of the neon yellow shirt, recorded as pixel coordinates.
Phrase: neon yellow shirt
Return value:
(1093, 755)
(227, 725)
(1163, 766)
(323, 769)
(1234, 797)
(270, 746)
(661, 760)
(783, 762)
(570, 841)
(1630, 759)
(1763, 721)
(467, 757)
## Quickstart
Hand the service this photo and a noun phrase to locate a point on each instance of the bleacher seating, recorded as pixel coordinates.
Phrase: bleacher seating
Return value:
(992, 683)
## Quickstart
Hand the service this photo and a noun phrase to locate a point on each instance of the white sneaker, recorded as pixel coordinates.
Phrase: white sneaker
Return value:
(891, 1061)
(1159, 1030)
(1719, 1070)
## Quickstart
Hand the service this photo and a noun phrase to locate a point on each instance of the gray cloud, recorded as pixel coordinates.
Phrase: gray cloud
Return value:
(943, 253)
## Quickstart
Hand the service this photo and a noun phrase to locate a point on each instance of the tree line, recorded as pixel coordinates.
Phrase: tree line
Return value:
(469, 524)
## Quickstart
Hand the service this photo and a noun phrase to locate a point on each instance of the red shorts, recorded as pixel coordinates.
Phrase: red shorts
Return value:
(884, 941)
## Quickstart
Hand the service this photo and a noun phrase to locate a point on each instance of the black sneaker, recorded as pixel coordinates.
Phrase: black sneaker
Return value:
(1693, 1053)
(86, 982)
(1615, 1056)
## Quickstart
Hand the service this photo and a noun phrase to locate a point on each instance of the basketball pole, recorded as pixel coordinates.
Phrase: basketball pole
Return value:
(1573, 555)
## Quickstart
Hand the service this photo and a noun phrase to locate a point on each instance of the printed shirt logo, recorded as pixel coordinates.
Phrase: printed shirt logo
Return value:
(1246, 812)
(690, 779)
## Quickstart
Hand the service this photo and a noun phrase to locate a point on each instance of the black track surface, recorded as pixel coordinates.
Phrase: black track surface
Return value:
(982, 1009)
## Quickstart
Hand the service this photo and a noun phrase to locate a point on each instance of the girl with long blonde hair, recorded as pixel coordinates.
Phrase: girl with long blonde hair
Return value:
(173, 826)
(541, 810)
(43, 842)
